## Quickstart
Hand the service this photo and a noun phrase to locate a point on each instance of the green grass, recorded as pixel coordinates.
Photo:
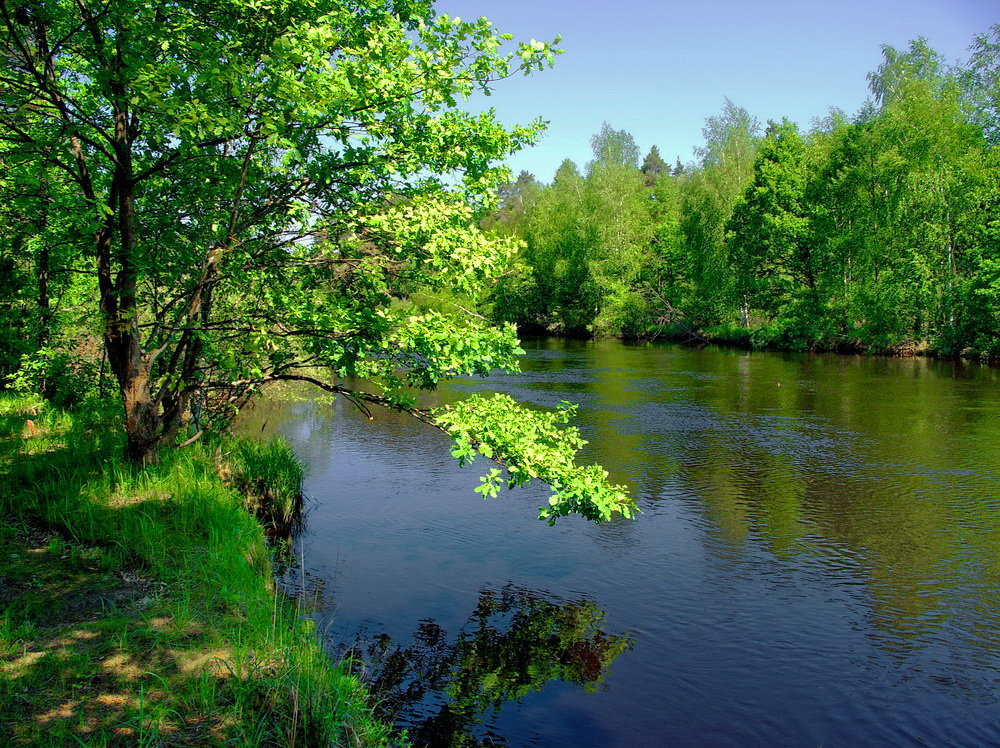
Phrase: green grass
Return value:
(138, 606)
(269, 475)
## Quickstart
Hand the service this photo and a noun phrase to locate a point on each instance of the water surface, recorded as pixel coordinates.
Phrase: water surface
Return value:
(817, 558)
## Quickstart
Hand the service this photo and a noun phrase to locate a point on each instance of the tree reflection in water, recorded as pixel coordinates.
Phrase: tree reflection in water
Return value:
(514, 643)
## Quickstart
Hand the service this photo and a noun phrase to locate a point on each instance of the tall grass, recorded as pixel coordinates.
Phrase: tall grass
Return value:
(185, 525)
(269, 475)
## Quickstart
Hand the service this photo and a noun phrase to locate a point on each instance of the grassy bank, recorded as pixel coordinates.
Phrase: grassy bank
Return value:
(138, 607)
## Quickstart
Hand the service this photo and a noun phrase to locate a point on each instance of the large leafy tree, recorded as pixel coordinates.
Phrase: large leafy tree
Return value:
(619, 229)
(709, 197)
(587, 242)
(898, 195)
(260, 186)
(611, 146)
(770, 240)
(556, 255)
(900, 67)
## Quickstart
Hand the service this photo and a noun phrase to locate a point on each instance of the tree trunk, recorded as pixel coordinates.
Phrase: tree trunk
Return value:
(142, 421)
(144, 428)
(43, 269)
(44, 303)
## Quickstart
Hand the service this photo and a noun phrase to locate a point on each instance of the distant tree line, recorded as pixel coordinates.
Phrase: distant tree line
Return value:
(876, 232)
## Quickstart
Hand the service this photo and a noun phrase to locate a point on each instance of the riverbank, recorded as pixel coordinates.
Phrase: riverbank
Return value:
(139, 606)
(764, 339)
(760, 339)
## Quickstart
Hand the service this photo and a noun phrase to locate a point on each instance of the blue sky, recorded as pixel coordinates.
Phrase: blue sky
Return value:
(658, 68)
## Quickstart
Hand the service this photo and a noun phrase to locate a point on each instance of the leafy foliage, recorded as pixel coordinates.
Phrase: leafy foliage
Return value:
(532, 444)
(244, 193)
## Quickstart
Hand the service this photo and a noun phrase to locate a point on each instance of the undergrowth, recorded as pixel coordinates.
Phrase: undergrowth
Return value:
(138, 605)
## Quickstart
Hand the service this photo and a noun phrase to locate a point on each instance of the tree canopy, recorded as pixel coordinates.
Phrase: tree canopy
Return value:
(255, 192)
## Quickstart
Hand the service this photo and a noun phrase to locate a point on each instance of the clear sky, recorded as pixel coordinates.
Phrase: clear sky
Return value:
(658, 68)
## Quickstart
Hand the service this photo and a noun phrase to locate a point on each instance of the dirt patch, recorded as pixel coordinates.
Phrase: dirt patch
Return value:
(52, 583)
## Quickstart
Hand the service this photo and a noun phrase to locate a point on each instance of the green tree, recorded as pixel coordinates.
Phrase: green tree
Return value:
(900, 188)
(611, 146)
(549, 288)
(771, 243)
(653, 166)
(514, 202)
(980, 79)
(875, 233)
(917, 62)
(42, 288)
(557, 250)
(709, 197)
(663, 275)
(261, 185)
(587, 244)
(619, 230)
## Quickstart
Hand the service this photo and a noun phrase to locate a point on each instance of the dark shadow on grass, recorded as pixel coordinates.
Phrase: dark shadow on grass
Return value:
(86, 652)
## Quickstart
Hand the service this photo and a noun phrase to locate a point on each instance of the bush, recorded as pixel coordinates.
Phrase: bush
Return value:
(66, 376)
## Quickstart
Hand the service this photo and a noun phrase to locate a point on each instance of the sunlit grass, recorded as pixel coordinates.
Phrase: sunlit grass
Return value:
(147, 612)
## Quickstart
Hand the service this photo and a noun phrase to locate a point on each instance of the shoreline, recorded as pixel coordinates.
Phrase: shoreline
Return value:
(743, 341)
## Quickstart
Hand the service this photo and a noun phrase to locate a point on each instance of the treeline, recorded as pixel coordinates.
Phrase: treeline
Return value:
(879, 231)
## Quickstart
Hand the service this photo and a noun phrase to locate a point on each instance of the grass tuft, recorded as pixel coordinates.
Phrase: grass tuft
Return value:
(270, 475)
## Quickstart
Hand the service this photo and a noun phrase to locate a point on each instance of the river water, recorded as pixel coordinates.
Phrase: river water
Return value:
(816, 561)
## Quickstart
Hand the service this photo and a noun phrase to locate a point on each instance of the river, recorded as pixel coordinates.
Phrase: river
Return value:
(816, 561)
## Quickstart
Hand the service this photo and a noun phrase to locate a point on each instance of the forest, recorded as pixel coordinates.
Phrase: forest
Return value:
(875, 232)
